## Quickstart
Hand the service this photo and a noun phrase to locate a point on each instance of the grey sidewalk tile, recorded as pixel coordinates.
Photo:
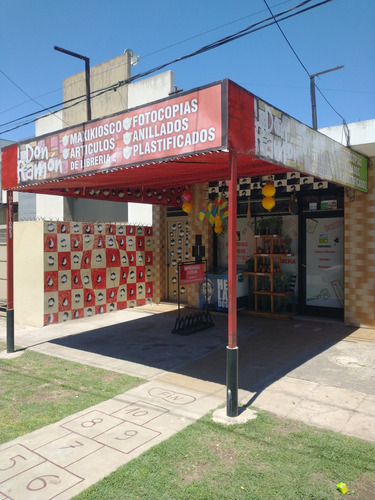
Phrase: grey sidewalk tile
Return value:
(321, 415)
(81, 449)
(361, 425)
(340, 398)
(280, 403)
(296, 386)
(367, 405)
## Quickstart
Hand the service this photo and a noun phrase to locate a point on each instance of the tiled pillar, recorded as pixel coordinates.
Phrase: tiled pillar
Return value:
(159, 226)
(200, 201)
(360, 255)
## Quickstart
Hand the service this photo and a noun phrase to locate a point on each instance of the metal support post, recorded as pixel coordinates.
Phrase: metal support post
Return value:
(232, 382)
(10, 305)
(232, 349)
(312, 94)
(87, 73)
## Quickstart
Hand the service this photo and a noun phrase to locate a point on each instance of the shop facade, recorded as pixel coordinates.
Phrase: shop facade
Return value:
(332, 257)
(221, 141)
(286, 244)
(331, 264)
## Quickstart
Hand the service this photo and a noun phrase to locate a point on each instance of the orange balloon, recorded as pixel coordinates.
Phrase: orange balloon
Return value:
(218, 229)
(268, 190)
(218, 221)
(268, 203)
(187, 207)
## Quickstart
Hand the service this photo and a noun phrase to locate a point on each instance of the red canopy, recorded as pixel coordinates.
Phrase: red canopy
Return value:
(141, 153)
(181, 140)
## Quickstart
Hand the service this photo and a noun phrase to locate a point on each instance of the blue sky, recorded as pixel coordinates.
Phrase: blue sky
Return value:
(338, 33)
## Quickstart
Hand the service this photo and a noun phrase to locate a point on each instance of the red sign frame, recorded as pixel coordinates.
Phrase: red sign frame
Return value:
(191, 273)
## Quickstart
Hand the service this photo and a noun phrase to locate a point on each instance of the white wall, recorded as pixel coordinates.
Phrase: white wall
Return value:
(150, 89)
(140, 214)
(361, 136)
(29, 273)
(39, 206)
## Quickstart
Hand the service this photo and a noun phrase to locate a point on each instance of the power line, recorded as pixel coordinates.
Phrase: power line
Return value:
(210, 31)
(301, 63)
(143, 56)
(235, 36)
(287, 41)
(29, 96)
(93, 94)
(25, 102)
(269, 21)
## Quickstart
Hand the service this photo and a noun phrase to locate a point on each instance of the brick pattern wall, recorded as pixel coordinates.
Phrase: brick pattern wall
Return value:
(360, 256)
(160, 269)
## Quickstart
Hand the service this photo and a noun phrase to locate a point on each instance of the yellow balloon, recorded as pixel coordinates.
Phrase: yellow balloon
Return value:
(218, 221)
(268, 190)
(187, 207)
(268, 203)
(218, 229)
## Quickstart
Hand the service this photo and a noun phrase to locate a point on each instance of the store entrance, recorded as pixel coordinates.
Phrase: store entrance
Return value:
(322, 265)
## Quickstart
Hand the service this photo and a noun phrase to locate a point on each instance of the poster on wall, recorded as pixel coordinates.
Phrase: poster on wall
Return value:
(245, 244)
(325, 262)
(289, 263)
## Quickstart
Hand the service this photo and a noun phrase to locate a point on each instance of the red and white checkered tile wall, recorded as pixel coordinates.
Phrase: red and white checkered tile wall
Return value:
(93, 268)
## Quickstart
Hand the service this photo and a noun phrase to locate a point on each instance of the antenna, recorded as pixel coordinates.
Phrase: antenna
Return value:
(133, 57)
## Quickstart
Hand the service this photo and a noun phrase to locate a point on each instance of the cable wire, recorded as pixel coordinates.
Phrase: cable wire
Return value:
(235, 36)
(269, 21)
(31, 98)
(301, 63)
(210, 31)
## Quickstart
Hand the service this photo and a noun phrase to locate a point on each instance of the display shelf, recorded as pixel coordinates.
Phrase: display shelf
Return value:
(269, 249)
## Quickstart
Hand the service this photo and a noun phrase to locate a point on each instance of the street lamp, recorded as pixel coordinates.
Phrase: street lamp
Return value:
(87, 71)
(312, 94)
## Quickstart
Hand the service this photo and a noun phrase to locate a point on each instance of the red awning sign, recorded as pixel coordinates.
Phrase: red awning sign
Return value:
(183, 125)
(183, 139)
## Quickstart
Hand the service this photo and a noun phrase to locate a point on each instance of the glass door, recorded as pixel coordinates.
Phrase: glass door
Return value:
(323, 265)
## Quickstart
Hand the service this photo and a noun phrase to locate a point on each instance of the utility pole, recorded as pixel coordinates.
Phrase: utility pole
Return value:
(87, 71)
(312, 94)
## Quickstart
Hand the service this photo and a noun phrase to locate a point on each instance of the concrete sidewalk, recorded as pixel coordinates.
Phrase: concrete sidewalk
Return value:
(321, 373)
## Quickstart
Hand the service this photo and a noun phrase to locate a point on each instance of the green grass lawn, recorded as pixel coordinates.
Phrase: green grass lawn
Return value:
(265, 459)
(36, 390)
(268, 458)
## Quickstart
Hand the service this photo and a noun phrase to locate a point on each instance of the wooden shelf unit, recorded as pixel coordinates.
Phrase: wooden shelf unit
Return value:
(269, 243)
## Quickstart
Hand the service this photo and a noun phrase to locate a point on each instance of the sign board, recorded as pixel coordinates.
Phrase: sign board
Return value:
(288, 142)
(191, 273)
(188, 123)
(219, 117)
